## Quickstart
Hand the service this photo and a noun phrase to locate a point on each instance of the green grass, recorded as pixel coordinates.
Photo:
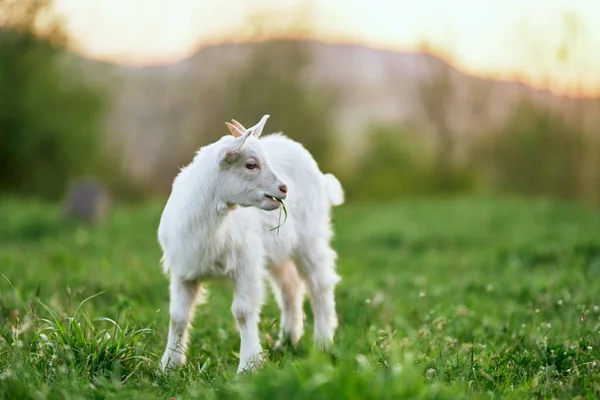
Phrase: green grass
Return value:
(474, 297)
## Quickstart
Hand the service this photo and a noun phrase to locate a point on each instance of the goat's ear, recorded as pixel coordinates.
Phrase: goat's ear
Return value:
(245, 137)
(258, 128)
(235, 131)
(239, 144)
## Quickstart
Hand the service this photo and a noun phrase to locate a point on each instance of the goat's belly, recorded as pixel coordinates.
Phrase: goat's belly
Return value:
(277, 253)
(199, 268)
(273, 262)
(277, 256)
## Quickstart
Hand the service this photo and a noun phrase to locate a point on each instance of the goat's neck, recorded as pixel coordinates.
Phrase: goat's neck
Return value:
(209, 212)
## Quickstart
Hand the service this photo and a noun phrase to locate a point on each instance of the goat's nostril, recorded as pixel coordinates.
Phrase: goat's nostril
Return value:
(283, 188)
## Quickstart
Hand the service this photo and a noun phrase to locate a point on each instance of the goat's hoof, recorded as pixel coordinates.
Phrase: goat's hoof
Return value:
(170, 362)
(282, 341)
(252, 364)
(286, 341)
(323, 343)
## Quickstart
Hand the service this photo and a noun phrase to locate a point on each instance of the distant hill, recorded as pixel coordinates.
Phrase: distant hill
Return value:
(153, 109)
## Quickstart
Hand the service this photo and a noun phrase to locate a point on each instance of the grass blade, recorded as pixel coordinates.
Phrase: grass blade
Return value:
(284, 209)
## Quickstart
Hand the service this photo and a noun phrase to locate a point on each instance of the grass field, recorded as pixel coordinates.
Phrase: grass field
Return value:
(473, 297)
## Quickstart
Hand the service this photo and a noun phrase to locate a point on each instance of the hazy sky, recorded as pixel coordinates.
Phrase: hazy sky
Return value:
(502, 38)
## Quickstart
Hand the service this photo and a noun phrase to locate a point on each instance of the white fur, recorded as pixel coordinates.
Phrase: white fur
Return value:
(217, 223)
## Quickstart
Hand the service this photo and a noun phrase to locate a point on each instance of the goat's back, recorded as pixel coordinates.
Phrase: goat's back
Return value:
(309, 198)
(307, 190)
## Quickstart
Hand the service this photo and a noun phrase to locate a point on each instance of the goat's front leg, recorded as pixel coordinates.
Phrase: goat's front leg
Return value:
(181, 309)
(247, 301)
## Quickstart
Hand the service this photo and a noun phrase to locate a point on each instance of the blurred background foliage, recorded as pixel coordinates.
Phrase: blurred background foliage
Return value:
(538, 152)
(52, 128)
(49, 119)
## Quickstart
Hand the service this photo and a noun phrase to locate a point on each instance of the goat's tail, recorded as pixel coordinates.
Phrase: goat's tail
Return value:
(335, 192)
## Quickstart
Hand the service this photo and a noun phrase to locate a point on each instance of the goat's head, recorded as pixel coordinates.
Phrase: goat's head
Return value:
(245, 175)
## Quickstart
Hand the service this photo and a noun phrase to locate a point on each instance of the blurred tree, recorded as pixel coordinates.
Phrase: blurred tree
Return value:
(396, 164)
(48, 117)
(273, 81)
(436, 96)
(389, 166)
(478, 104)
(564, 140)
(537, 152)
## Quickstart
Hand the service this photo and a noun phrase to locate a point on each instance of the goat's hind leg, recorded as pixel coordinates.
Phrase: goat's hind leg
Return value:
(183, 297)
(316, 264)
(289, 292)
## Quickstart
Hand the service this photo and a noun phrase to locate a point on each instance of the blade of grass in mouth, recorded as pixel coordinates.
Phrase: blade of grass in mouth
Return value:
(284, 219)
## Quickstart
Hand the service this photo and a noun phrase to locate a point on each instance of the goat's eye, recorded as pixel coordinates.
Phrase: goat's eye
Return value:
(251, 165)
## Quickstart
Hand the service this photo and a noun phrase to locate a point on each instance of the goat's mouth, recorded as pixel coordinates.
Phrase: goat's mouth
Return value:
(275, 199)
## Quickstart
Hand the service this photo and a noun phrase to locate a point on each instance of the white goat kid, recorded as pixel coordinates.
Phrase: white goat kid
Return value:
(204, 235)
